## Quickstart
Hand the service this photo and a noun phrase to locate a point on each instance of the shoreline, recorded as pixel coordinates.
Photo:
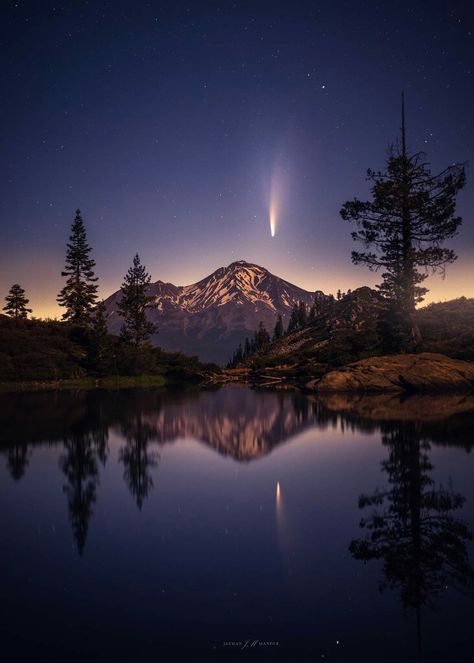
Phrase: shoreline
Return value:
(424, 373)
(86, 383)
(396, 374)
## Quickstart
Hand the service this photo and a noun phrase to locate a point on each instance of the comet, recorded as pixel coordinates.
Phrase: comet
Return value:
(273, 202)
(272, 215)
(276, 198)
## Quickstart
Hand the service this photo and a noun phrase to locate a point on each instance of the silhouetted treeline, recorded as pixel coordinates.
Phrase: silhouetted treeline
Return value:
(80, 345)
(36, 350)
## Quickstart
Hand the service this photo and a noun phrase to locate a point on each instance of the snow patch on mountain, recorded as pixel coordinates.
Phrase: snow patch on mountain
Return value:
(210, 317)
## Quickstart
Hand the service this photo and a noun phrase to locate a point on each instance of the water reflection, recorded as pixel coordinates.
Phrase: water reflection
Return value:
(137, 460)
(80, 464)
(412, 527)
(18, 456)
(445, 419)
(240, 505)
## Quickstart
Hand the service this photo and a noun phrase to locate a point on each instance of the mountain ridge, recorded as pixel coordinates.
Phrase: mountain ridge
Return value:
(210, 317)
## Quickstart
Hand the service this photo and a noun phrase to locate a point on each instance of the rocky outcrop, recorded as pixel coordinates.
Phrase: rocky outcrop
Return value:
(425, 372)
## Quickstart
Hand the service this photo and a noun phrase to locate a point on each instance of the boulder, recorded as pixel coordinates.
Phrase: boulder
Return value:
(424, 372)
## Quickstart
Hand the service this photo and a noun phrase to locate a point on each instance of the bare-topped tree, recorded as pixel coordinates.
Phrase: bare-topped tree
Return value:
(403, 227)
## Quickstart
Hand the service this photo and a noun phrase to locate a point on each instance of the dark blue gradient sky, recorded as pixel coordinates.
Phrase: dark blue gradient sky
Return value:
(167, 124)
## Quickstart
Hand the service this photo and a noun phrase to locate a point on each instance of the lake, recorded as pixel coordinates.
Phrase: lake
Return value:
(152, 525)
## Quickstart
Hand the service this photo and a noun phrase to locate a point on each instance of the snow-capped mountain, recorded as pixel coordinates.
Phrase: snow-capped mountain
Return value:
(211, 317)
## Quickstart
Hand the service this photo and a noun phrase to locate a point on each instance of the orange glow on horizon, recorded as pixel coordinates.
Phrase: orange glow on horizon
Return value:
(42, 282)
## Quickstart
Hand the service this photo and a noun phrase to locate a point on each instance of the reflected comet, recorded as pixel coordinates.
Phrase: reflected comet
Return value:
(285, 537)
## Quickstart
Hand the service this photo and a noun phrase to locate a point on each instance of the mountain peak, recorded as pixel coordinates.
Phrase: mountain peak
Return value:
(210, 317)
(242, 263)
(239, 266)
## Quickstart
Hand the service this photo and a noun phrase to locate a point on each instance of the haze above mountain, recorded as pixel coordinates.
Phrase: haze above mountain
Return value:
(209, 318)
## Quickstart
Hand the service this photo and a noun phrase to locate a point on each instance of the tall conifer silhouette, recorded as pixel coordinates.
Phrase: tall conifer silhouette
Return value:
(79, 294)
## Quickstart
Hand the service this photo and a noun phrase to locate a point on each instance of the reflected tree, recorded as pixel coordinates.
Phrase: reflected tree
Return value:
(412, 527)
(18, 456)
(80, 464)
(137, 459)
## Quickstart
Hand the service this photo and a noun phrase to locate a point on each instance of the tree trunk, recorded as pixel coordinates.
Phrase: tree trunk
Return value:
(408, 270)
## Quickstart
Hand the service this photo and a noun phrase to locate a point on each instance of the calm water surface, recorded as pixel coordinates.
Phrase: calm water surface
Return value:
(146, 526)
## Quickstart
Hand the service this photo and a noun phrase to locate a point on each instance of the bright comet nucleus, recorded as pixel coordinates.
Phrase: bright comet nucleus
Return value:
(272, 220)
(273, 206)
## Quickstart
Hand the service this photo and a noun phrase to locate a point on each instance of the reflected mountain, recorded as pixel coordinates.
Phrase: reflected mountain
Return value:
(232, 421)
(238, 423)
(411, 525)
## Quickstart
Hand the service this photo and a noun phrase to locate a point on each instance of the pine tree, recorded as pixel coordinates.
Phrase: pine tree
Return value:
(262, 337)
(302, 314)
(101, 350)
(255, 342)
(16, 302)
(320, 304)
(247, 348)
(80, 292)
(411, 214)
(293, 321)
(133, 305)
(99, 323)
(339, 295)
(237, 357)
(278, 331)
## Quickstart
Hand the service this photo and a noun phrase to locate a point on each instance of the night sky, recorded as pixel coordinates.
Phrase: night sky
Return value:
(173, 125)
